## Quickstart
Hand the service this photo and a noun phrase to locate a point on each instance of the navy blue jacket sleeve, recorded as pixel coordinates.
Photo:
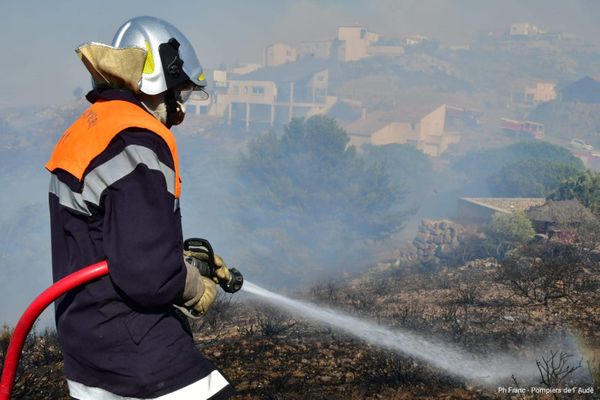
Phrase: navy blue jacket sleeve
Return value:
(142, 232)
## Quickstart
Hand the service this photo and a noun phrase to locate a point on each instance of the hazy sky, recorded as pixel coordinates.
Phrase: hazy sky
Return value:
(39, 66)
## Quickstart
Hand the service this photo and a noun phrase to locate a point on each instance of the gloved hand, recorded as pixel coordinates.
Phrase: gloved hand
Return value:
(221, 272)
(198, 295)
(199, 252)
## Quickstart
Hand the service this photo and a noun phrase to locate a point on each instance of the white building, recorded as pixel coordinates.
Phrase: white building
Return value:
(524, 29)
(272, 96)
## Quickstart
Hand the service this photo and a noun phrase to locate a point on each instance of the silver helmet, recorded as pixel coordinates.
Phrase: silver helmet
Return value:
(170, 61)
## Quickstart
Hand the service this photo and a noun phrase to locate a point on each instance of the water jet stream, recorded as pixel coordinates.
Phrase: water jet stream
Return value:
(489, 369)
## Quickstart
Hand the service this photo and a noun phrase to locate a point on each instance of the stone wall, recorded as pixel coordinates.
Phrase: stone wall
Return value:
(436, 240)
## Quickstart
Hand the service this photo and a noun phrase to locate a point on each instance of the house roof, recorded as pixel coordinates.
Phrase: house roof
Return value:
(290, 72)
(413, 112)
(364, 127)
(564, 211)
(585, 90)
(409, 113)
(506, 204)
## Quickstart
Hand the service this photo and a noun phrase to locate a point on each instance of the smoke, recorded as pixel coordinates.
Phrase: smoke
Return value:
(43, 68)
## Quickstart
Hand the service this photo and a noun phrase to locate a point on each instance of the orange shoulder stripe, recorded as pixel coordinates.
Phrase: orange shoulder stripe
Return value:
(96, 127)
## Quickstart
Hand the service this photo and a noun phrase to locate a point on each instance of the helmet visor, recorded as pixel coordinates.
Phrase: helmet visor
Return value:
(186, 91)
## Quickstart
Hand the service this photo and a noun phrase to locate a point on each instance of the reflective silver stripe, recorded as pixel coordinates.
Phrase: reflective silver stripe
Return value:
(108, 173)
(120, 166)
(67, 197)
(202, 389)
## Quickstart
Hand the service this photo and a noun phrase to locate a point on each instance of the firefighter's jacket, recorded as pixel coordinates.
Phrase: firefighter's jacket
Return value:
(114, 195)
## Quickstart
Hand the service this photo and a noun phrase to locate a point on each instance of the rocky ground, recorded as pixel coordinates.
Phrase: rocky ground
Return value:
(271, 355)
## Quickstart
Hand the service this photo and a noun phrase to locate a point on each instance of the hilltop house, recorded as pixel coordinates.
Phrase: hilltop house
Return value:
(532, 95)
(278, 54)
(320, 49)
(354, 42)
(425, 128)
(584, 90)
(523, 29)
(272, 96)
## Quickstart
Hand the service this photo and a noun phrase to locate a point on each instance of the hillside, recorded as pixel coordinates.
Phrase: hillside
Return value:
(270, 354)
(569, 120)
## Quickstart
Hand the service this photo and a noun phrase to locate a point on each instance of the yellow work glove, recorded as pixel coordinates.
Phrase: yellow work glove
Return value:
(221, 273)
(198, 295)
(198, 252)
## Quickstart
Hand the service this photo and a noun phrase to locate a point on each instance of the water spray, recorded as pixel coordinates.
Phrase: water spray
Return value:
(489, 369)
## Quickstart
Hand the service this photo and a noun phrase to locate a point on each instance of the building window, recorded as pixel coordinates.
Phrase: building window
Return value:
(258, 90)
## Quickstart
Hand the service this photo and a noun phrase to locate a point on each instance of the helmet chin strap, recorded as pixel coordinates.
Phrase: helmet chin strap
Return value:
(175, 109)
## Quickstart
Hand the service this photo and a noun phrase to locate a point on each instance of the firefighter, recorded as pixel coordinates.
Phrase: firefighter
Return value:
(114, 195)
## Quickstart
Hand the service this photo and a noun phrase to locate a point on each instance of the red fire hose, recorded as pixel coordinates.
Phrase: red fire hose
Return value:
(34, 310)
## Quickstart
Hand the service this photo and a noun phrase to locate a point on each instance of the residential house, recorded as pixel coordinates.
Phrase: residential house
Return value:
(584, 90)
(272, 96)
(532, 95)
(479, 211)
(278, 54)
(320, 49)
(559, 220)
(423, 127)
(415, 40)
(353, 42)
(523, 29)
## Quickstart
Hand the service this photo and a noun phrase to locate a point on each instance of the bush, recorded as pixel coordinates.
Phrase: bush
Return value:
(480, 164)
(584, 187)
(507, 231)
(544, 271)
(406, 165)
(308, 199)
(530, 178)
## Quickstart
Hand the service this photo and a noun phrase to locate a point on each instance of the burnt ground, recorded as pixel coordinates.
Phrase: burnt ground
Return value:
(271, 355)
